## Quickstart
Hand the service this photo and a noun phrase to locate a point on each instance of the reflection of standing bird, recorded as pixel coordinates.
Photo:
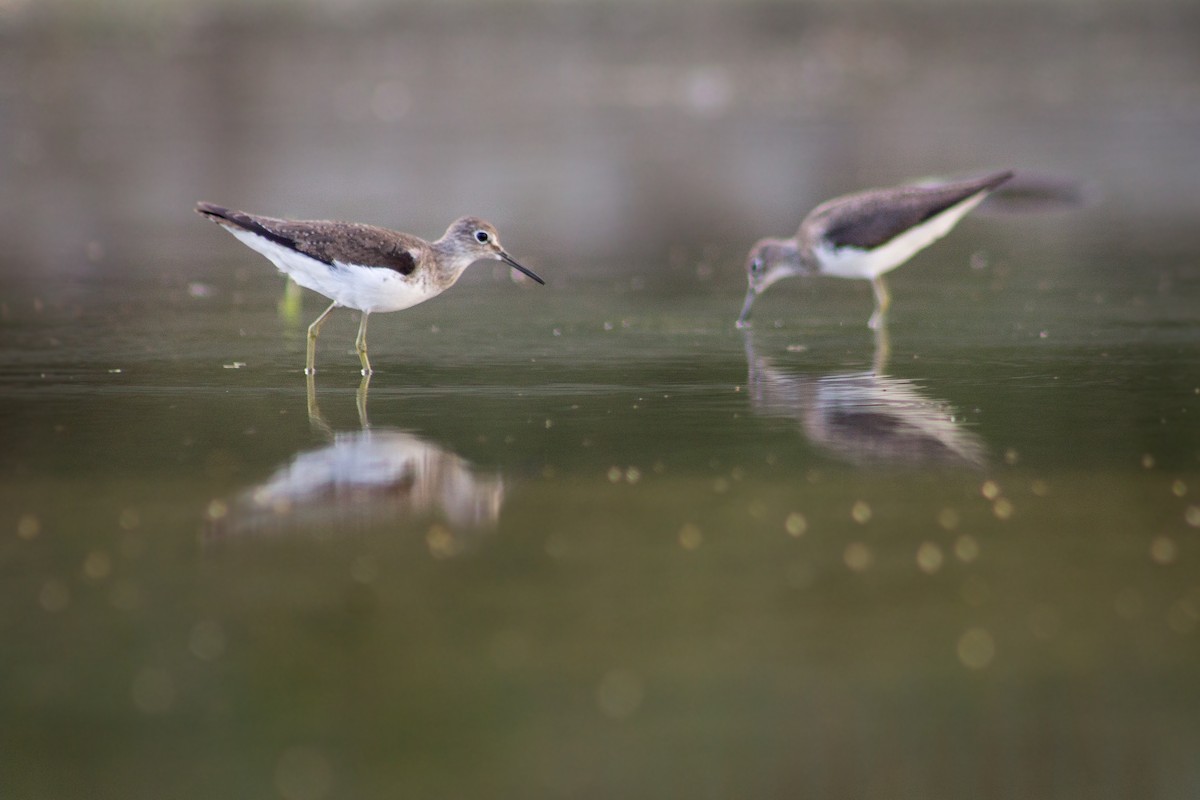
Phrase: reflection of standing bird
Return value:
(368, 477)
(372, 476)
(865, 235)
(362, 266)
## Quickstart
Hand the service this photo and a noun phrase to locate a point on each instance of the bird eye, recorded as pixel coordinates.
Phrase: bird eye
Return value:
(756, 265)
(482, 237)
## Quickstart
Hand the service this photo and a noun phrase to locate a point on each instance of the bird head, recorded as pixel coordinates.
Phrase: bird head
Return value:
(478, 239)
(769, 260)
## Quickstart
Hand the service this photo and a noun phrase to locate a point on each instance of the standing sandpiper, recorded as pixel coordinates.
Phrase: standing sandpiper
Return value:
(865, 235)
(362, 266)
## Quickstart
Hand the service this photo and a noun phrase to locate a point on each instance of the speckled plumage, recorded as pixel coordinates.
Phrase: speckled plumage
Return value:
(327, 241)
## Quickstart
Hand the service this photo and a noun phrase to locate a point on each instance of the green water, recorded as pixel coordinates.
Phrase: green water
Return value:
(593, 542)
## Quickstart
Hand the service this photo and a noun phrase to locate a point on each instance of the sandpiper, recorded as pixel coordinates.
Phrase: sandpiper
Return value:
(865, 235)
(363, 266)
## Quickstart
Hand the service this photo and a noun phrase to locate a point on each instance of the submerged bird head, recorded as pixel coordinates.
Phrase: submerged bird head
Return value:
(769, 260)
(471, 239)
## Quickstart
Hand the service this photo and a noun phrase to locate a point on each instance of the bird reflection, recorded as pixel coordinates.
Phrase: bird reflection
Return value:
(865, 418)
(368, 477)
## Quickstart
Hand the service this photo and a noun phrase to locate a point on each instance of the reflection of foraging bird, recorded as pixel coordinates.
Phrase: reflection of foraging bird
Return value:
(362, 266)
(864, 417)
(865, 235)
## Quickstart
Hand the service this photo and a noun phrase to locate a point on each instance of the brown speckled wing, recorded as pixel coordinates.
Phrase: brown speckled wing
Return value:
(351, 243)
(326, 241)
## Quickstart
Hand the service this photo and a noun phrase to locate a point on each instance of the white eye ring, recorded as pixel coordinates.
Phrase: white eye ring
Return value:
(482, 237)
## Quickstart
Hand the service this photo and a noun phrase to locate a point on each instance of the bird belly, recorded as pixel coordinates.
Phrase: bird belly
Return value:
(854, 262)
(370, 289)
(378, 289)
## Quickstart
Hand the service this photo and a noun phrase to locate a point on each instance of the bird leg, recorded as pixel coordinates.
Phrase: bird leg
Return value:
(883, 301)
(360, 402)
(314, 413)
(883, 351)
(360, 344)
(310, 364)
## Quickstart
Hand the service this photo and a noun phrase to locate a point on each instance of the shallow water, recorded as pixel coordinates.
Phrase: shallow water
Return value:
(601, 542)
(589, 539)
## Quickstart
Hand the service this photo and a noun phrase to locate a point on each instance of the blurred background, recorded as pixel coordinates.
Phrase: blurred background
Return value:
(596, 135)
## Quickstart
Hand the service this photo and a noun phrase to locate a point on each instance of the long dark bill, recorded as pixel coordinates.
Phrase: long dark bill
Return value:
(507, 259)
(743, 319)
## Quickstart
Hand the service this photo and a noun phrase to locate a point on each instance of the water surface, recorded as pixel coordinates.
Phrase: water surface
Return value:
(598, 542)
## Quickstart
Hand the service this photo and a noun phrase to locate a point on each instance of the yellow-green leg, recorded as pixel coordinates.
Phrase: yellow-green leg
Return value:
(314, 413)
(310, 364)
(360, 344)
(883, 301)
(361, 402)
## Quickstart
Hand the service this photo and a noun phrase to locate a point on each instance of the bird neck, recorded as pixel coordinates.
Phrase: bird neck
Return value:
(797, 258)
(450, 260)
(788, 259)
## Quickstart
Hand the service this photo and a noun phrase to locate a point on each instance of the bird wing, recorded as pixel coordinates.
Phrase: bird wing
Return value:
(327, 241)
(870, 219)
